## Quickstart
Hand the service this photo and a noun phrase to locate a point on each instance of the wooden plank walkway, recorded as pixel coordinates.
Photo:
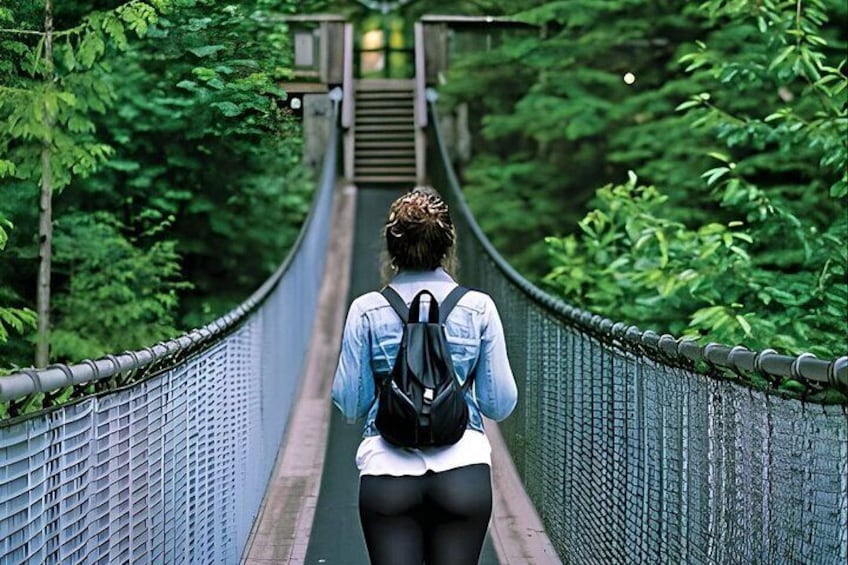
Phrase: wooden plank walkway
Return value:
(281, 531)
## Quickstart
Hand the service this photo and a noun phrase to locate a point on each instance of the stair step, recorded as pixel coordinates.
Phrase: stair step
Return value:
(383, 94)
(385, 111)
(378, 158)
(384, 128)
(388, 151)
(385, 119)
(385, 170)
(373, 131)
(376, 142)
(386, 123)
(405, 121)
(392, 137)
(382, 149)
(377, 120)
(383, 162)
(394, 179)
(386, 104)
(393, 102)
(386, 142)
(385, 149)
(406, 133)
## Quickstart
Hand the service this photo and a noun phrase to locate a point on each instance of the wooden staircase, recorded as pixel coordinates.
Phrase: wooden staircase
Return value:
(384, 132)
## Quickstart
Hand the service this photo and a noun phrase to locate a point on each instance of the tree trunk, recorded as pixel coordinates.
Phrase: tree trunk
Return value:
(45, 223)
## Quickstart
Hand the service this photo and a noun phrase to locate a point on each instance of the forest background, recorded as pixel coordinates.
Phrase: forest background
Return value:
(178, 182)
(677, 165)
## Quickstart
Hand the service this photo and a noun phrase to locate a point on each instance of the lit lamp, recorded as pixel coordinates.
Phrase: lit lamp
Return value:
(372, 59)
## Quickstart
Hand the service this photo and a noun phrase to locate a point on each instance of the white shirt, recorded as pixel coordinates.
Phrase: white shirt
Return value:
(376, 456)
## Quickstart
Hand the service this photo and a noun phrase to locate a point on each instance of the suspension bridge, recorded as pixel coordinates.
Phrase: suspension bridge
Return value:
(220, 446)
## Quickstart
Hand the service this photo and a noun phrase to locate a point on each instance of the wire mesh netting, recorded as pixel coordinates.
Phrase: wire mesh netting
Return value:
(173, 469)
(631, 460)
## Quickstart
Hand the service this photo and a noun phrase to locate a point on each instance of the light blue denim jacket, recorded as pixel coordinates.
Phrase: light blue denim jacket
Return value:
(475, 336)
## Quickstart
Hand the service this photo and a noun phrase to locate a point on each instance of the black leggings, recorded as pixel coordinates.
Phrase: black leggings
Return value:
(437, 518)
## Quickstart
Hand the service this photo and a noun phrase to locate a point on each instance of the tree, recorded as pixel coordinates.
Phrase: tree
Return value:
(554, 113)
(200, 177)
(776, 126)
(46, 105)
(206, 143)
(754, 133)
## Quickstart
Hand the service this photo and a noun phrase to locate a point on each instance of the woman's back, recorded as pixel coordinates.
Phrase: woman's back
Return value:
(431, 504)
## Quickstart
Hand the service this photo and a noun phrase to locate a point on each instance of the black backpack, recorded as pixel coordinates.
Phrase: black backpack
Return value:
(421, 403)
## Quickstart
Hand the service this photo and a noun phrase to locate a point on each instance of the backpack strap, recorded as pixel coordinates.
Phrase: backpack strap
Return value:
(396, 302)
(432, 311)
(449, 302)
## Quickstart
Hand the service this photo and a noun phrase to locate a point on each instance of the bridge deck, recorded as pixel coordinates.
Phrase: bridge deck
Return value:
(297, 524)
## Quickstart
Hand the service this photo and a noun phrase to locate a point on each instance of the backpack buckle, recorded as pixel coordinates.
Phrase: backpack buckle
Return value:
(428, 394)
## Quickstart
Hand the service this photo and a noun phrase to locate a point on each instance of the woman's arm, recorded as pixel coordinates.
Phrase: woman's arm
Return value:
(494, 384)
(353, 383)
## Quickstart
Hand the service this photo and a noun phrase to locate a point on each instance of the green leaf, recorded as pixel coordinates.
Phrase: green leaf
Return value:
(7, 168)
(187, 84)
(782, 56)
(206, 50)
(715, 174)
(228, 108)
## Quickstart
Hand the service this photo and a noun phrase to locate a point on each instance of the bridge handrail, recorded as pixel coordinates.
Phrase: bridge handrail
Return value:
(665, 348)
(118, 371)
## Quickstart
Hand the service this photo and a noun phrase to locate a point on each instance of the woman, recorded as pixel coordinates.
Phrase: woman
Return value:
(433, 504)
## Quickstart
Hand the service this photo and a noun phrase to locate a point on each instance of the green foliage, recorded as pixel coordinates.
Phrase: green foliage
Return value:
(631, 262)
(18, 319)
(736, 111)
(47, 102)
(204, 136)
(556, 101)
(528, 207)
(178, 159)
(121, 293)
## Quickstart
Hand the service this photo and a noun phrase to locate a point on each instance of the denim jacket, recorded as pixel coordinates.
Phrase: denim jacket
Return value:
(475, 337)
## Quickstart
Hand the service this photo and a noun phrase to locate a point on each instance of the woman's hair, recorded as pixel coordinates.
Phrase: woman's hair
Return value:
(419, 231)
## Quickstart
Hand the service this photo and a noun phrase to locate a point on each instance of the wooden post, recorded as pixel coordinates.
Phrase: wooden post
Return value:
(420, 106)
(348, 102)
